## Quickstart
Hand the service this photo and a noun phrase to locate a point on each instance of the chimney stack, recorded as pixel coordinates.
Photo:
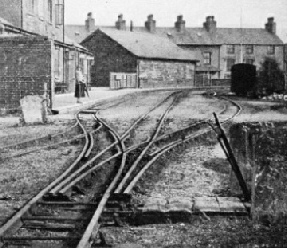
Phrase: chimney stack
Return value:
(270, 26)
(180, 24)
(120, 23)
(150, 24)
(90, 23)
(210, 24)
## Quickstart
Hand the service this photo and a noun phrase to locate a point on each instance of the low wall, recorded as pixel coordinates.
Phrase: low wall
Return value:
(260, 149)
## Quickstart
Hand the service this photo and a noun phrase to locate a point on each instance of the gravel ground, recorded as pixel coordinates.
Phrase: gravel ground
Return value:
(200, 170)
(194, 171)
(22, 177)
(261, 111)
(12, 134)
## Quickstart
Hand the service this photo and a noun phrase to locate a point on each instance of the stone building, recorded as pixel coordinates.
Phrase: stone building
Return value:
(216, 48)
(154, 61)
(36, 57)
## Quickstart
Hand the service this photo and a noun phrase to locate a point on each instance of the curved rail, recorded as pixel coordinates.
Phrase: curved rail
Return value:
(155, 155)
(17, 217)
(150, 143)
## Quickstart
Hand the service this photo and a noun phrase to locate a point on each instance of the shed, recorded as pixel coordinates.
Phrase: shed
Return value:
(156, 61)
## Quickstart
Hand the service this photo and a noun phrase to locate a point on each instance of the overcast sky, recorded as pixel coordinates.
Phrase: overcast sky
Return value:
(227, 12)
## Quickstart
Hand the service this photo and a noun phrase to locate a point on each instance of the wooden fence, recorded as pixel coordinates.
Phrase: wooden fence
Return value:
(123, 80)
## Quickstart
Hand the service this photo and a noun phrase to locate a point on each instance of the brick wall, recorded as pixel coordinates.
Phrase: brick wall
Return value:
(160, 73)
(25, 67)
(109, 56)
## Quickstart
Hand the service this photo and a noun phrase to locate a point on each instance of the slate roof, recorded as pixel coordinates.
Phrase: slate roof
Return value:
(196, 36)
(146, 45)
(200, 36)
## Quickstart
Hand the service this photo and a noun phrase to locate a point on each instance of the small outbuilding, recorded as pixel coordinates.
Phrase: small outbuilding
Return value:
(150, 60)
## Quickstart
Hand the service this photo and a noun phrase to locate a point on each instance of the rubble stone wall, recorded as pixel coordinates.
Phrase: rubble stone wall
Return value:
(260, 149)
(161, 73)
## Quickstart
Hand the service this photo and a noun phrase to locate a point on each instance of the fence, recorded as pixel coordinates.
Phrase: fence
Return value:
(205, 81)
(120, 80)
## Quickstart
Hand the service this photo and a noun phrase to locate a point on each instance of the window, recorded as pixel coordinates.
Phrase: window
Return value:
(59, 12)
(271, 50)
(57, 63)
(50, 10)
(230, 49)
(207, 58)
(249, 49)
(229, 64)
(249, 61)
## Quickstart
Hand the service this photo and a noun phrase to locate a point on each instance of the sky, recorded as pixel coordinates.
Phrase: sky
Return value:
(227, 13)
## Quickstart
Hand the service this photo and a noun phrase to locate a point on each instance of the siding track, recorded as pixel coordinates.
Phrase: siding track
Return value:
(69, 211)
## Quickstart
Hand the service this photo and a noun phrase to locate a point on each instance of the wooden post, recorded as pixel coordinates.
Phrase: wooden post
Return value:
(254, 170)
(231, 159)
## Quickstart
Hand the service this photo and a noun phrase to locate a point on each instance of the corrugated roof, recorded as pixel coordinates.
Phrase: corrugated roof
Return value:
(196, 36)
(146, 45)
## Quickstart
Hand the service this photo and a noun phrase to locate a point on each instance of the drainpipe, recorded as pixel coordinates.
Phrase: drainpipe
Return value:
(22, 14)
(63, 53)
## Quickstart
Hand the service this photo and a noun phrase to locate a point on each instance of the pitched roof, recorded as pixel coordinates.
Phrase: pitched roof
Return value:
(195, 36)
(76, 32)
(200, 36)
(146, 45)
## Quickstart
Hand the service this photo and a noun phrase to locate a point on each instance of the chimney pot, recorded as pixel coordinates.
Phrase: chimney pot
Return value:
(270, 26)
(150, 24)
(90, 22)
(210, 24)
(120, 23)
(180, 24)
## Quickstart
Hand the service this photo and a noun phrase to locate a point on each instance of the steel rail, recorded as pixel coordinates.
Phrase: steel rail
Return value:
(150, 143)
(66, 184)
(15, 220)
(155, 155)
(49, 136)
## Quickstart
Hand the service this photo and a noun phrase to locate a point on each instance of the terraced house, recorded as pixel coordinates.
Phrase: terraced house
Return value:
(35, 55)
(216, 48)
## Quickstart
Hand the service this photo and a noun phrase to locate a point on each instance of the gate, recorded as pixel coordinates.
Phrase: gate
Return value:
(119, 80)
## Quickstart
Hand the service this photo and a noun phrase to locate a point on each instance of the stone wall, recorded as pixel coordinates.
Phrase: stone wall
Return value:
(25, 69)
(109, 56)
(260, 149)
(162, 73)
(11, 12)
(259, 54)
(34, 18)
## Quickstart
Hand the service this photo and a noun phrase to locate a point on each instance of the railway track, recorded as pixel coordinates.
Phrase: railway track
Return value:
(29, 216)
(60, 213)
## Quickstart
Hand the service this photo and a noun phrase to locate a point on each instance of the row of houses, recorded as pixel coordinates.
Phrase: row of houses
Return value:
(39, 53)
(36, 57)
(148, 51)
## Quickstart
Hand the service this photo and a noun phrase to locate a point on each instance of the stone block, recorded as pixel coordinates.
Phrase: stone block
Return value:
(34, 109)
(206, 204)
(231, 205)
